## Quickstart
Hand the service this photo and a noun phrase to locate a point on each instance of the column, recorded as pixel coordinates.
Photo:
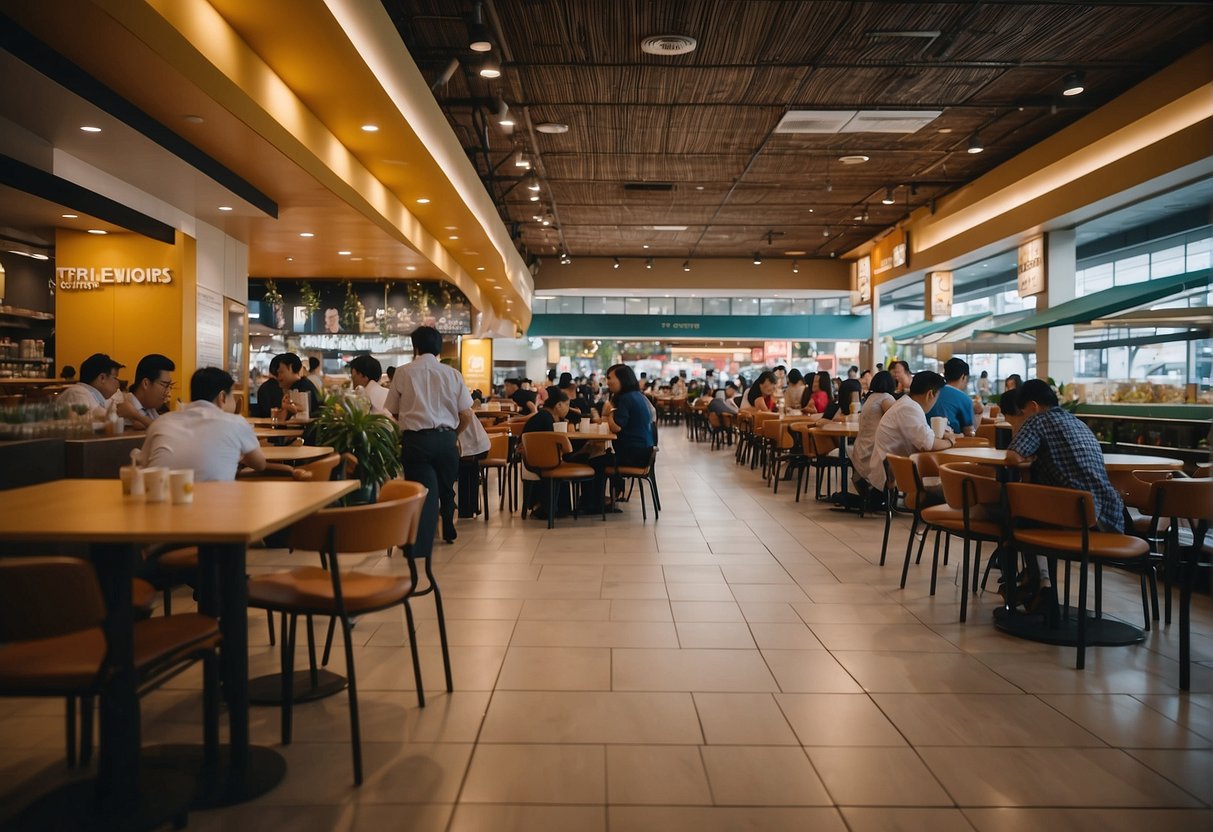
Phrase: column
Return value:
(877, 348)
(1055, 346)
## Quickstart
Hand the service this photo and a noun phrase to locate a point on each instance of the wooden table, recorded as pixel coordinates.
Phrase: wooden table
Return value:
(842, 431)
(294, 454)
(982, 456)
(1133, 462)
(223, 520)
(261, 422)
(277, 433)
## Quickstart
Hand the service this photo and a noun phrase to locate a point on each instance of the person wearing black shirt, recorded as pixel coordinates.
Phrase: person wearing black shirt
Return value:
(525, 399)
(269, 394)
(579, 407)
(290, 377)
(554, 410)
(849, 391)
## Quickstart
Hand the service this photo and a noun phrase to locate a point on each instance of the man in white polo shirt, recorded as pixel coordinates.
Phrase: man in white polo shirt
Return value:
(98, 384)
(365, 371)
(205, 435)
(904, 430)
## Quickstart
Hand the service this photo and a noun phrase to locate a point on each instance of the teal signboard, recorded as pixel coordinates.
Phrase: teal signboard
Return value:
(765, 327)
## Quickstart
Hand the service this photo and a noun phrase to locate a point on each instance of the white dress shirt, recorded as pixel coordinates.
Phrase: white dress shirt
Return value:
(145, 412)
(903, 430)
(87, 395)
(865, 441)
(426, 394)
(376, 393)
(202, 437)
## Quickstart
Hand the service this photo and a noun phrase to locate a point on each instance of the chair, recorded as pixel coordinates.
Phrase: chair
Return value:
(909, 482)
(988, 432)
(972, 442)
(52, 644)
(800, 432)
(827, 459)
(498, 459)
(966, 488)
(543, 455)
(786, 448)
(329, 591)
(1188, 503)
(1059, 526)
(639, 476)
(744, 423)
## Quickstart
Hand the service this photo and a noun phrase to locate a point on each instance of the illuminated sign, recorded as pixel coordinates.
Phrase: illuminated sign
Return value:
(92, 278)
(1032, 276)
(863, 279)
(939, 294)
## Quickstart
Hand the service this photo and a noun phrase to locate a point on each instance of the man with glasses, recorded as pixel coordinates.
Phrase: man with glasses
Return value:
(150, 390)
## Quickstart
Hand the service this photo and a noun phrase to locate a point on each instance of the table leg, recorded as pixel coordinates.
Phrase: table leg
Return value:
(118, 761)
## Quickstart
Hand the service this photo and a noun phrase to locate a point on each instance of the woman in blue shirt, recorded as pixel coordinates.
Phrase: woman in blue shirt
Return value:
(629, 417)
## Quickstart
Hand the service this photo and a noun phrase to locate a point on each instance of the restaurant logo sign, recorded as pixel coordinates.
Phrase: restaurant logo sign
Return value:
(1032, 267)
(939, 294)
(93, 278)
(863, 279)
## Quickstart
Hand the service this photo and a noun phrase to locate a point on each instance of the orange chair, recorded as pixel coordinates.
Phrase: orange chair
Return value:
(639, 476)
(909, 482)
(497, 459)
(1059, 524)
(543, 455)
(972, 442)
(966, 488)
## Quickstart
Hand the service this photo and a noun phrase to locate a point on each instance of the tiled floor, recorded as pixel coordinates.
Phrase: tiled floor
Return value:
(742, 664)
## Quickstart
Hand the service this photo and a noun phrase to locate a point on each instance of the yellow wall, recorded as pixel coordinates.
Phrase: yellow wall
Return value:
(131, 320)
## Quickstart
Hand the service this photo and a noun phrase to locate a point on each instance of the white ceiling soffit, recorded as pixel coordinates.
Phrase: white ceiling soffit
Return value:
(855, 121)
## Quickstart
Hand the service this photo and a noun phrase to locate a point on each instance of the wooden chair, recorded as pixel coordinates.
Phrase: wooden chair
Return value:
(988, 432)
(329, 591)
(909, 482)
(1058, 523)
(639, 476)
(498, 459)
(52, 644)
(808, 455)
(827, 460)
(966, 489)
(543, 455)
(786, 447)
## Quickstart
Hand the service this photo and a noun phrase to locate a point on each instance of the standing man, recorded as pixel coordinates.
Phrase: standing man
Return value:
(953, 402)
(153, 382)
(432, 405)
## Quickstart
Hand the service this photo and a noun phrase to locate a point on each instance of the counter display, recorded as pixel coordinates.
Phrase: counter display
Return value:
(1174, 430)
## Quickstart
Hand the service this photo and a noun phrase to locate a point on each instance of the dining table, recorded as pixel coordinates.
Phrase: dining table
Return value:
(144, 788)
(295, 454)
(842, 431)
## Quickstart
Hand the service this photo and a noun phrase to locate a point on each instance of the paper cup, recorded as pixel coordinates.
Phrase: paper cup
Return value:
(181, 486)
(939, 424)
(155, 484)
(561, 427)
(132, 481)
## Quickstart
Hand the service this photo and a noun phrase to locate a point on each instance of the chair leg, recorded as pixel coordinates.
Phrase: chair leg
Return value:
(287, 651)
(643, 516)
(976, 566)
(446, 653)
(210, 716)
(355, 731)
(985, 576)
(168, 600)
(905, 567)
(551, 504)
(655, 493)
(1098, 591)
(86, 730)
(269, 622)
(328, 642)
(921, 544)
(412, 630)
(935, 561)
(964, 584)
(1145, 603)
(71, 731)
(947, 548)
(1082, 615)
(484, 493)
(311, 653)
(799, 481)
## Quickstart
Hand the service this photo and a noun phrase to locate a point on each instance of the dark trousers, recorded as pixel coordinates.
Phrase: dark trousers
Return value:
(469, 484)
(432, 459)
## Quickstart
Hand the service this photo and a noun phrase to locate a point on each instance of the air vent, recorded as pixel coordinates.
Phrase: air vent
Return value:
(852, 121)
(668, 45)
(648, 186)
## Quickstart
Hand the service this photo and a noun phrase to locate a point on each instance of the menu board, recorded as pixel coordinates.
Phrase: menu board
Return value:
(939, 294)
(209, 317)
(1032, 267)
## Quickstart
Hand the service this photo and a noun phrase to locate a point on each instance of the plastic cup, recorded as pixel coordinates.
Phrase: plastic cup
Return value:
(155, 484)
(939, 424)
(181, 485)
(561, 427)
(132, 481)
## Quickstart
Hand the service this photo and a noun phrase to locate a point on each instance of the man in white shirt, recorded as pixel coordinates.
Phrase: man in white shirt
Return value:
(205, 435)
(365, 371)
(97, 385)
(432, 405)
(153, 382)
(904, 429)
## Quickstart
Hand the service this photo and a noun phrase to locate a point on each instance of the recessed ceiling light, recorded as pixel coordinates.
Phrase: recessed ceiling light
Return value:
(356, 259)
(423, 201)
(645, 246)
(945, 130)
(88, 128)
(306, 234)
(453, 237)
(480, 268)
(451, 227)
(194, 119)
(97, 231)
(1073, 85)
(855, 159)
(410, 268)
(225, 207)
(795, 253)
(290, 259)
(370, 128)
(345, 253)
(552, 127)
(669, 228)
(699, 187)
(71, 216)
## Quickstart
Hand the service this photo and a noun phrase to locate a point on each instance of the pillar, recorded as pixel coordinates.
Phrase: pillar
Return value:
(1055, 346)
(877, 356)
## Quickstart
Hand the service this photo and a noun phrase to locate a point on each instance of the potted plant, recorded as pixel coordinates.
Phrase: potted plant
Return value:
(346, 423)
(310, 301)
(273, 299)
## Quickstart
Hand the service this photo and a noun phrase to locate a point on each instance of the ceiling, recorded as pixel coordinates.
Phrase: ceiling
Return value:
(704, 123)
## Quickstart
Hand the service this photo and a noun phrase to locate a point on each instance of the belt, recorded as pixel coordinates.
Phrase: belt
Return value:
(431, 430)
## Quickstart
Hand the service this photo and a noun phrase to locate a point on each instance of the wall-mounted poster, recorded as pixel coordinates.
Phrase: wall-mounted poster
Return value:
(366, 307)
(237, 341)
(939, 294)
(1032, 274)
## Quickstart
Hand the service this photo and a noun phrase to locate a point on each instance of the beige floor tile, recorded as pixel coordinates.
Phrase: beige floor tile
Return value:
(699, 592)
(914, 638)
(779, 635)
(1047, 777)
(809, 671)
(693, 575)
(458, 632)
(391, 668)
(854, 593)
(1183, 708)
(556, 668)
(644, 590)
(494, 817)
(769, 593)
(555, 572)
(706, 611)
(591, 717)
(813, 613)
(743, 719)
(981, 720)
(772, 612)
(1123, 721)
(1130, 670)
(634, 574)
(561, 774)
(369, 818)
(336, 818)
(901, 819)
(595, 634)
(623, 609)
(385, 716)
(837, 719)
(768, 574)
(555, 610)
(721, 819)
(743, 775)
(877, 777)
(1090, 820)
(671, 775)
(729, 636)
(1190, 770)
(922, 673)
(691, 670)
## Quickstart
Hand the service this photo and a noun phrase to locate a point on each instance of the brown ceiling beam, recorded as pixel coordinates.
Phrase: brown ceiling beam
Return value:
(1060, 66)
(1033, 102)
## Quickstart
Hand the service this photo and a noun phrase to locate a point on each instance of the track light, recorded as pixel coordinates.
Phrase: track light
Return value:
(480, 39)
(825, 232)
(975, 145)
(503, 116)
(829, 186)
(615, 264)
(888, 196)
(521, 161)
(1073, 84)
(648, 264)
(532, 182)
(565, 259)
(686, 265)
(534, 197)
(490, 67)
(795, 267)
(757, 259)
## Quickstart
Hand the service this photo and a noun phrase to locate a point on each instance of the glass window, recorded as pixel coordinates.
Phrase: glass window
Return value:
(594, 306)
(801, 306)
(661, 306)
(636, 306)
(1096, 279)
(826, 306)
(538, 306)
(688, 306)
(775, 306)
(745, 306)
(612, 306)
(1132, 270)
(567, 306)
(716, 306)
(1167, 262)
(1198, 254)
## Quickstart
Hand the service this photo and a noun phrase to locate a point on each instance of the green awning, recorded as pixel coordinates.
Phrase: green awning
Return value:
(923, 328)
(1108, 302)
